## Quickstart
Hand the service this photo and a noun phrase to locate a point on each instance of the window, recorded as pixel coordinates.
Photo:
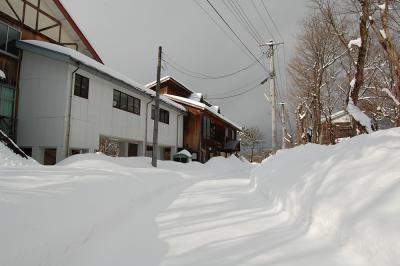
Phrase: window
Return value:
(164, 115)
(7, 99)
(136, 105)
(207, 127)
(8, 39)
(116, 97)
(213, 131)
(81, 86)
(126, 102)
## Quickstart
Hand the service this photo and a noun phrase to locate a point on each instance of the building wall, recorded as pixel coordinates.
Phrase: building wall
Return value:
(42, 102)
(44, 96)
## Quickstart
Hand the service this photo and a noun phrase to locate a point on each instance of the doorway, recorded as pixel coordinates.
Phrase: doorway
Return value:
(50, 156)
(132, 150)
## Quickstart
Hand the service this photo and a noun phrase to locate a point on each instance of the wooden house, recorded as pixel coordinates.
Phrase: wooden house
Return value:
(44, 20)
(342, 126)
(207, 133)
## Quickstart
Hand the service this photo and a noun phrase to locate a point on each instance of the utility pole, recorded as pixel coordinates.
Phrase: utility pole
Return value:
(282, 104)
(156, 112)
(271, 53)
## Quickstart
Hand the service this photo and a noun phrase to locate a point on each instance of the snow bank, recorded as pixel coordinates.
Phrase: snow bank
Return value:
(10, 159)
(60, 215)
(91, 209)
(346, 194)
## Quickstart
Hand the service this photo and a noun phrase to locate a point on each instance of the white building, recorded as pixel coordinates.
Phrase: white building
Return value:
(70, 103)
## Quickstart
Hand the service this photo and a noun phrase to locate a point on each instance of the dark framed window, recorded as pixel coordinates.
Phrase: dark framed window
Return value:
(126, 102)
(116, 98)
(81, 86)
(136, 105)
(130, 104)
(7, 101)
(8, 39)
(164, 115)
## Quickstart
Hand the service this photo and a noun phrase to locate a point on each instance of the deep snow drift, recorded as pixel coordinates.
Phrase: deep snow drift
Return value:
(347, 195)
(311, 205)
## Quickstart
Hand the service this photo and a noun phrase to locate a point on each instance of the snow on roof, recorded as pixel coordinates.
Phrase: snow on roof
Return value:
(339, 117)
(155, 82)
(202, 106)
(196, 96)
(89, 62)
(186, 153)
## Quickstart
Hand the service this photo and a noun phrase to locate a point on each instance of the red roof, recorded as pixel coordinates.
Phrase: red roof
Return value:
(78, 31)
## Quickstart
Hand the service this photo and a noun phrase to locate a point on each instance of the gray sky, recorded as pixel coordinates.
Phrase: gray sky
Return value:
(127, 33)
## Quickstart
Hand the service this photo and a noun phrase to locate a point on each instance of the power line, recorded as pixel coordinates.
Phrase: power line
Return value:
(239, 14)
(230, 28)
(221, 94)
(178, 67)
(238, 94)
(262, 19)
(272, 20)
(225, 33)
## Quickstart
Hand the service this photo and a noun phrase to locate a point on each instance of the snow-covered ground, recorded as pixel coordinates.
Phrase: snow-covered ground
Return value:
(311, 205)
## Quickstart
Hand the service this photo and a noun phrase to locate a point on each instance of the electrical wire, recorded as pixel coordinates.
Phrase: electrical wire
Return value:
(225, 33)
(272, 20)
(178, 67)
(262, 19)
(230, 28)
(236, 95)
(240, 16)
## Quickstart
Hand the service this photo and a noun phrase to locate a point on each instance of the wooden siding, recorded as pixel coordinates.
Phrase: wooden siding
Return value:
(192, 130)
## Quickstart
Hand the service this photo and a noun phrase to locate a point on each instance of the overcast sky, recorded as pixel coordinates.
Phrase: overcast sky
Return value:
(127, 33)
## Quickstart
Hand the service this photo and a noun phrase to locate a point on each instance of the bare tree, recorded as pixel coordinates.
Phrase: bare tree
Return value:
(250, 137)
(316, 52)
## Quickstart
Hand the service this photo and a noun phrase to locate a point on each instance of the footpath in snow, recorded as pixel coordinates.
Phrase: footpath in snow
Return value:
(311, 205)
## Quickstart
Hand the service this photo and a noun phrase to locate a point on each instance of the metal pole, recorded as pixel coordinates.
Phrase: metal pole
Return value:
(156, 112)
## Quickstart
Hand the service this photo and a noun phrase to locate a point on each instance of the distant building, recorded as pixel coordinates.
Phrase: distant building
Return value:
(207, 133)
(70, 103)
(45, 20)
(342, 125)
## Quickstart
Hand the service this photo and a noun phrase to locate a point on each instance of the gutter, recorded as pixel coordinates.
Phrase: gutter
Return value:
(69, 117)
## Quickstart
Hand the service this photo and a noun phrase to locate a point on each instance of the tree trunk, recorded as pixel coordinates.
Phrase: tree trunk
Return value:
(362, 51)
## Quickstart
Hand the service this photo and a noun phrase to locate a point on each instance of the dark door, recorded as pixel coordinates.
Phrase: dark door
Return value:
(132, 150)
(167, 154)
(50, 156)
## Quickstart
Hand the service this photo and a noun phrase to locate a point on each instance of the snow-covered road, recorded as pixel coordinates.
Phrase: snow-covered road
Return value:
(311, 205)
(226, 222)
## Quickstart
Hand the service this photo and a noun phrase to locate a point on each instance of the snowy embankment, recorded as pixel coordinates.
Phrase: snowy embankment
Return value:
(347, 195)
(87, 207)
(10, 159)
(57, 215)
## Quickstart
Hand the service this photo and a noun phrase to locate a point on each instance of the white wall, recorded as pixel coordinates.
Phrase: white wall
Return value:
(42, 102)
(44, 96)
(96, 116)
